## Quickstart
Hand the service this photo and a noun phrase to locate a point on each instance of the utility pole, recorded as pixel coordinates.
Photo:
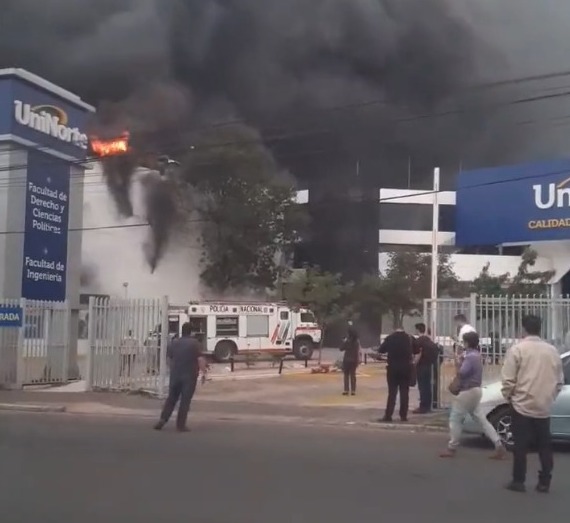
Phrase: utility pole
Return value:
(434, 251)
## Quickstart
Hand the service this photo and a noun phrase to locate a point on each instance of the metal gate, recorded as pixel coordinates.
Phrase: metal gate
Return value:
(35, 350)
(498, 320)
(126, 341)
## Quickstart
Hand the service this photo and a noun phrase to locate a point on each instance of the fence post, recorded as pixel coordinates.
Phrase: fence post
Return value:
(91, 336)
(473, 309)
(66, 339)
(21, 347)
(163, 347)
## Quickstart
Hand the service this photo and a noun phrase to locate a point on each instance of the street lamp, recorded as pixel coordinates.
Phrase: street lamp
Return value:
(126, 288)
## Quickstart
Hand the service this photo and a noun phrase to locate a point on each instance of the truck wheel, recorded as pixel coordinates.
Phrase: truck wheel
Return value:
(224, 351)
(303, 349)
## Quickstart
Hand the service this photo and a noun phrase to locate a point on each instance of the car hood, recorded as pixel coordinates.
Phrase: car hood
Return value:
(492, 393)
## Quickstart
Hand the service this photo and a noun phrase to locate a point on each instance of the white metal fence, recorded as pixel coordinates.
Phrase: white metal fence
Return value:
(37, 352)
(498, 320)
(126, 341)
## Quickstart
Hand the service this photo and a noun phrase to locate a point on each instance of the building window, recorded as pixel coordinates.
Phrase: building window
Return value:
(257, 326)
(227, 326)
(415, 217)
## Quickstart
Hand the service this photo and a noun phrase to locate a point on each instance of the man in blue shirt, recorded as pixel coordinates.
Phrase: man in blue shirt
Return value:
(185, 358)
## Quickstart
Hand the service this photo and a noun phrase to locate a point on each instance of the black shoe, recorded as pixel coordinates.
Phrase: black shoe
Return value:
(159, 425)
(543, 488)
(403, 420)
(353, 393)
(513, 486)
(182, 429)
(384, 420)
(345, 393)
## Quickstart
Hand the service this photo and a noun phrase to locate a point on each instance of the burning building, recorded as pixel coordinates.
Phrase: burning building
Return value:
(350, 96)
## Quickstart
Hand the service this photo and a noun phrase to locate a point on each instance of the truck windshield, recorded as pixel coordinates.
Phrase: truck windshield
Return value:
(307, 317)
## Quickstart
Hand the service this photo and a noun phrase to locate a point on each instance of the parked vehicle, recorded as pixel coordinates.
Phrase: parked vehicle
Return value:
(498, 412)
(230, 328)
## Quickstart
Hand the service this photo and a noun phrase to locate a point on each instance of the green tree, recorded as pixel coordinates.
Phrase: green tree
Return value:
(499, 310)
(249, 219)
(369, 298)
(526, 281)
(487, 284)
(407, 282)
(324, 293)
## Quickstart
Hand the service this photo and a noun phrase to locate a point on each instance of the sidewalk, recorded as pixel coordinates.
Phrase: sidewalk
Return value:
(302, 398)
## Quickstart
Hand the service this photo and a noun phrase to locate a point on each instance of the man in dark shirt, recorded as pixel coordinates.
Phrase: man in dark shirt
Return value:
(398, 347)
(426, 360)
(186, 361)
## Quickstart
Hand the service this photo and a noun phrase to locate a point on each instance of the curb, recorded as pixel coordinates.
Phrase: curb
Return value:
(221, 417)
(28, 407)
(73, 410)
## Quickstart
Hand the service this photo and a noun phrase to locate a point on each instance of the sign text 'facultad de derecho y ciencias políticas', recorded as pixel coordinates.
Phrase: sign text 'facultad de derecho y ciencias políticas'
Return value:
(48, 215)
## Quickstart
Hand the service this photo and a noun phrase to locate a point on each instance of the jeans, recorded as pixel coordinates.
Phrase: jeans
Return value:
(435, 385)
(398, 381)
(349, 371)
(526, 431)
(180, 389)
(467, 402)
(425, 387)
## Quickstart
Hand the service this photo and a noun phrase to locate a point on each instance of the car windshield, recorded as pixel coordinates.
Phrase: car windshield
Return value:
(307, 317)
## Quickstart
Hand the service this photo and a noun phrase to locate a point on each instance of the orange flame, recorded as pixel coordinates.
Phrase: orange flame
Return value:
(110, 147)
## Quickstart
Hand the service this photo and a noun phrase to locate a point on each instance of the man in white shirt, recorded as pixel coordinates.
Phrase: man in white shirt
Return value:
(532, 379)
(463, 328)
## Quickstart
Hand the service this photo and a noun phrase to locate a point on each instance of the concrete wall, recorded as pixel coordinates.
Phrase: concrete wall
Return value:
(13, 161)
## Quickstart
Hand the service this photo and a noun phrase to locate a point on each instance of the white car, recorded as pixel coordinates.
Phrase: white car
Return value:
(498, 412)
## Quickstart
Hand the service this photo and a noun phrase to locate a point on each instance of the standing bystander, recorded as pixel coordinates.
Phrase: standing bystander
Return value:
(532, 379)
(351, 348)
(426, 360)
(398, 347)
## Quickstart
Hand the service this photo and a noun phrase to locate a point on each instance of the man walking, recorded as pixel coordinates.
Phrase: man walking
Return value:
(426, 360)
(186, 361)
(532, 378)
(469, 392)
(398, 347)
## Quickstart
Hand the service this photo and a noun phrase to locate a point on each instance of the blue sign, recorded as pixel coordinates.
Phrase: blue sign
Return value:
(10, 316)
(514, 204)
(37, 116)
(45, 242)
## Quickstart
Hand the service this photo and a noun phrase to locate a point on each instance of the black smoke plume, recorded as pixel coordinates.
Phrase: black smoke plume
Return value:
(170, 67)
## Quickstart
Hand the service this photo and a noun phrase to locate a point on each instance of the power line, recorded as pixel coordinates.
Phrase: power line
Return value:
(379, 200)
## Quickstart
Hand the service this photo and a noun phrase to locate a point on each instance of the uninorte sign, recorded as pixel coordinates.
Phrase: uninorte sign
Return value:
(51, 120)
(514, 204)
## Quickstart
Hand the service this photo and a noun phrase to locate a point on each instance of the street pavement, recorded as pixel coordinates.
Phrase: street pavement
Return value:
(64, 469)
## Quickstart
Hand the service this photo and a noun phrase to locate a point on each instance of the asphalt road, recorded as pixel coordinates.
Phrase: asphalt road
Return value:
(61, 469)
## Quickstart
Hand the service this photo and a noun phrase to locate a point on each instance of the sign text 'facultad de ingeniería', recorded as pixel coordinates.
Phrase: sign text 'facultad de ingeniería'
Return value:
(48, 213)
